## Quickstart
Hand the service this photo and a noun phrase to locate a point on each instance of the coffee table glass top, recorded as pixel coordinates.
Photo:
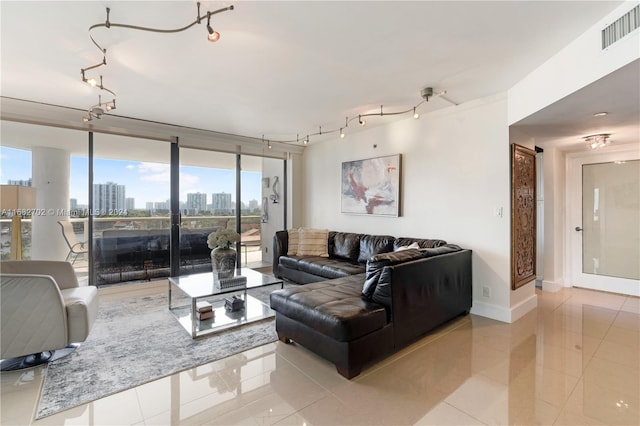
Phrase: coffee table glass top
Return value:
(200, 285)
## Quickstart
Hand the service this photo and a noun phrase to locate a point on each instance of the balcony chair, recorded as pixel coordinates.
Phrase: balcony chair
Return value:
(76, 248)
(45, 313)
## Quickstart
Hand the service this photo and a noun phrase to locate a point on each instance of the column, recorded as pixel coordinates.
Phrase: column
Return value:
(50, 175)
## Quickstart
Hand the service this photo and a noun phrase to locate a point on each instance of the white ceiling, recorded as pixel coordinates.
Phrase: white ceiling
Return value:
(281, 69)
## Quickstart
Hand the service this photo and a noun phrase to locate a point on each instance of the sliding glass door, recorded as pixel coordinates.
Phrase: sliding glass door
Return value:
(130, 209)
(104, 202)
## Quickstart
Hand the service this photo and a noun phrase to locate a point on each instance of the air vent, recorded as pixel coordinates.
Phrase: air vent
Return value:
(620, 28)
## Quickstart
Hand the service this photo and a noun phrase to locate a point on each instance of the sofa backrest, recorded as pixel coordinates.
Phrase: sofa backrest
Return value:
(356, 248)
(423, 243)
(344, 245)
(373, 244)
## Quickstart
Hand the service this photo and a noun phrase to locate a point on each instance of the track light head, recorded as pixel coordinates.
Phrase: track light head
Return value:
(415, 113)
(341, 133)
(361, 121)
(213, 35)
(92, 82)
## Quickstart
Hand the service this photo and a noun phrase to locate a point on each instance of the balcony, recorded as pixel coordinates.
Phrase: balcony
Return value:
(137, 248)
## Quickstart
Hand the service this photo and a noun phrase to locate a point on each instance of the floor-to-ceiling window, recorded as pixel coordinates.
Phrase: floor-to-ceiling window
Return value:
(52, 163)
(130, 209)
(113, 193)
(207, 203)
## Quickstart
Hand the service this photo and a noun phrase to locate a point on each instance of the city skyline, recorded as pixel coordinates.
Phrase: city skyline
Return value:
(145, 181)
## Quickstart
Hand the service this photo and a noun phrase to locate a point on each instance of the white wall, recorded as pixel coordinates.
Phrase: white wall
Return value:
(554, 219)
(580, 63)
(275, 222)
(577, 65)
(455, 174)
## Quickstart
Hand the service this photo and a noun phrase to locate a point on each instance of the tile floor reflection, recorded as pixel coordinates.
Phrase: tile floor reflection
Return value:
(575, 360)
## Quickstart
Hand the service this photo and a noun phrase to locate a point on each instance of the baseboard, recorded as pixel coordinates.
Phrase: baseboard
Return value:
(524, 307)
(488, 310)
(551, 286)
(503, 314)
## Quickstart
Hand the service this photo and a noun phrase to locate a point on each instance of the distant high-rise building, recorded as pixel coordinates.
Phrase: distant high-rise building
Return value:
(130, 203)
(197, 202)
(109, 198)
(253, 205)
(73, 203)
(19, 182)
(221, 203)
(162, 205)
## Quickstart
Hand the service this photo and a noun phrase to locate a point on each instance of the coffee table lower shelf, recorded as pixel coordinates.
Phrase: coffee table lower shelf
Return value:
(253, 311)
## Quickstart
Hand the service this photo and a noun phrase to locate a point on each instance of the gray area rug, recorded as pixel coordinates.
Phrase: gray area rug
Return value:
(136, 341)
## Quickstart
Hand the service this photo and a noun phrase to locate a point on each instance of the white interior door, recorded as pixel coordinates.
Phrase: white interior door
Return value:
(604, 221)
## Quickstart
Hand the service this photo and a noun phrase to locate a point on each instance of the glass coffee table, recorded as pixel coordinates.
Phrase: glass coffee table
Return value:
(187, 290)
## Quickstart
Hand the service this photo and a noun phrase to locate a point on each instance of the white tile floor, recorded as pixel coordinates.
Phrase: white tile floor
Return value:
(575, 360)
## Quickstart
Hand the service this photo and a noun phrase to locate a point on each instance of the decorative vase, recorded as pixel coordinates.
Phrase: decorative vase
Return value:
(223, 261)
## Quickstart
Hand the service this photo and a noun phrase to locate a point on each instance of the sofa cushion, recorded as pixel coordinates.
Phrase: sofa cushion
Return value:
(329, 268)
(334, 308)
(423, 243)
(322, 266)
(376, 264)
(293, 241)
(313, 242)
(345, 245)
(436, 251)
(373, 244)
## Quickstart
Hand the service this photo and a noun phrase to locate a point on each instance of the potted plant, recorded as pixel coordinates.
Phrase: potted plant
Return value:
(223, 255)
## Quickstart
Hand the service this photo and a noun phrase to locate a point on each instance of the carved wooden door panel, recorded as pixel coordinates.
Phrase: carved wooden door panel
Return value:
(523, 215)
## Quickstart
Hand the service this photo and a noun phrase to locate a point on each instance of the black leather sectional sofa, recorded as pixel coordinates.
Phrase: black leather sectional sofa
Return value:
(366, 301)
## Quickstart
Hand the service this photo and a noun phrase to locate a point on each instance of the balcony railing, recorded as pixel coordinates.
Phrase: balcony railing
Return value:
(137, 248)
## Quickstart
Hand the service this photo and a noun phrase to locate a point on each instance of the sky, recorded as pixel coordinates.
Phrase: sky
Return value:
(144, 181)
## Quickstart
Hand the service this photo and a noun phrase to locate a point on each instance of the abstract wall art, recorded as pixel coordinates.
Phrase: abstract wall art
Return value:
(372, 186)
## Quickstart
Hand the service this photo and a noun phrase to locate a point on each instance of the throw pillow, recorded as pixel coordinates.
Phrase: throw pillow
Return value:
(314, 242)
(413, 245)
(294, 241)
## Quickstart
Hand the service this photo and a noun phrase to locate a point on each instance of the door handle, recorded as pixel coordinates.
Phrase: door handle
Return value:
(578, 229)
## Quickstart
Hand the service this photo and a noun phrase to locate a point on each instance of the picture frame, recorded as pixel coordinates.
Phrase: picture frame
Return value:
(523, 216)
(372, 186)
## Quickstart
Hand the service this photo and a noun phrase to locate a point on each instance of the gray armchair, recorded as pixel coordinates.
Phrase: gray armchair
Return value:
(43, 309)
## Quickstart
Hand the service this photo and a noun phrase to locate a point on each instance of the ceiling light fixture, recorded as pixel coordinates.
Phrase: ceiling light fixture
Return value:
(415, 114)
(598, 141)
(600, 114)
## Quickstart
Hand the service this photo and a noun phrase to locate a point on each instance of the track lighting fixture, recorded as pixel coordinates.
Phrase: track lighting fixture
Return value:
(98, 110)
(427, 93)
(211, 36)
(92, 81)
